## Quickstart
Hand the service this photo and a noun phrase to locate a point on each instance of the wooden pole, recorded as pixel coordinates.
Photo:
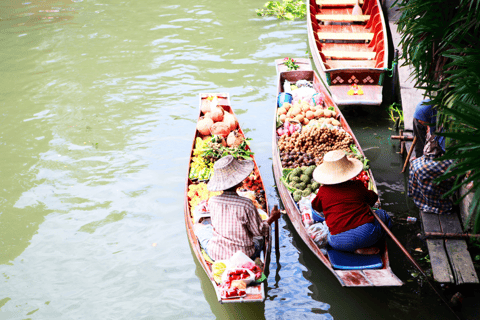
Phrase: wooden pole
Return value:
(384, 226)
(277, 238)
(409, 154)
(449, 235)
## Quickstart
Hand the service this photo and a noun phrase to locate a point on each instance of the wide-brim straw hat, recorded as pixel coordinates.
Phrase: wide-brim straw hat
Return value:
(228, 172)
(337, 168)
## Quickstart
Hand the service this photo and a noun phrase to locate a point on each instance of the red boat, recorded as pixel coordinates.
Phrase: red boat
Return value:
(359, 275)
(349, 45)
(196, 187)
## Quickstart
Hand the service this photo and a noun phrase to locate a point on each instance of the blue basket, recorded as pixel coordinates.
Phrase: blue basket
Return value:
(284, 97)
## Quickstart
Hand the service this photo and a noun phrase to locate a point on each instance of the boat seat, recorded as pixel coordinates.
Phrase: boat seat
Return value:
(349, 55)
(337, 3)
(340, 64)
(367, 36)
(343, 17)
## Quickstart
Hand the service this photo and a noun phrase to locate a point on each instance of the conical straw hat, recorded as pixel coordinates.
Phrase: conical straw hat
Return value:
(337, 168)
(228, 172)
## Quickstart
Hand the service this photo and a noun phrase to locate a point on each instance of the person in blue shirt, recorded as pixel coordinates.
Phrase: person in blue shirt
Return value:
(425, 115)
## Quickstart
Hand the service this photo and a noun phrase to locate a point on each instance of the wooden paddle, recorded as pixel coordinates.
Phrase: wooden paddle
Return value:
(387, 230)
(409, 154)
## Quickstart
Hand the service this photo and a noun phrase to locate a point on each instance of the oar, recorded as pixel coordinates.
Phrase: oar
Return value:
(384, 226)
(409, 154)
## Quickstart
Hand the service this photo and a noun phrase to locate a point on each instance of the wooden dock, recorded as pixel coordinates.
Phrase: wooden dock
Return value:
(450, 259)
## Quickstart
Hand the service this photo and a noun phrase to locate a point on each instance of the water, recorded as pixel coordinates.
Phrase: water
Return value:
(98, 108)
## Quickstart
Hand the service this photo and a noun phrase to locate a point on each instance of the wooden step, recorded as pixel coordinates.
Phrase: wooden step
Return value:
(349, 55)
(343, 17)
(341, 64)
(337, 3)
(367, 36)
(451, 262)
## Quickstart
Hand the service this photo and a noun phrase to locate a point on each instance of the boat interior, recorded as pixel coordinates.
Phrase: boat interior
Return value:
(348, 37)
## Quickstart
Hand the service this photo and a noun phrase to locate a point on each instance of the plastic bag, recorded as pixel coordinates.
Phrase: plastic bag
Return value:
(319, 233)
(303, 94)
(201, 211)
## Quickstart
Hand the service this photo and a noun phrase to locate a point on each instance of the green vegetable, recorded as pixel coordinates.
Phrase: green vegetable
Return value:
(297, 172)
(315, 185)
(309, 171)
(296, 179)
(306, 192)
(305, 178)
(297, 195)
(301, 186)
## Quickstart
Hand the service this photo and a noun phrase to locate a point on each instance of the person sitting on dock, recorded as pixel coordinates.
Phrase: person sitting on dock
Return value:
(425, 115)
(346, 205)
(426, 194)
(235, 222)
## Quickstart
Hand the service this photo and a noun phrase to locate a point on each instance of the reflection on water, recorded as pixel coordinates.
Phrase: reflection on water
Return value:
(97, 115)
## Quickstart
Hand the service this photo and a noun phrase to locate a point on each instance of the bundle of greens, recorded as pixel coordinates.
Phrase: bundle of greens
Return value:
(216, 148)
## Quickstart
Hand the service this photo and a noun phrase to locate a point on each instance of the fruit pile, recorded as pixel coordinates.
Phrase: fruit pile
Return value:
(314, 142)
(300, 182)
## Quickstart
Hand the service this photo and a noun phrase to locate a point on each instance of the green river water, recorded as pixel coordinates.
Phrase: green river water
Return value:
(98, 106)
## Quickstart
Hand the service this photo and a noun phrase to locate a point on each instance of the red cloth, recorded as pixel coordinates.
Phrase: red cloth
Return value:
(345, 205)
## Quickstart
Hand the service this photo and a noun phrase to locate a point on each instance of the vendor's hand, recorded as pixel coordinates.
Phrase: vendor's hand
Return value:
(274, 215)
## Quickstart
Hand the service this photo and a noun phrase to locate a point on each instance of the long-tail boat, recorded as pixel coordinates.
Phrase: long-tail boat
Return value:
(349, 45)
(350, 270)
(196, 191)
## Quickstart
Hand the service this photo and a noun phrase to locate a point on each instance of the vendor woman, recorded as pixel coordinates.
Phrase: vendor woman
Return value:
(235, 222)
(346, 205)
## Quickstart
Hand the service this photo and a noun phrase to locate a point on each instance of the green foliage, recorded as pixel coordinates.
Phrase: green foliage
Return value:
(443, 47)
(289, 10)
(290, 63)
(395, 112)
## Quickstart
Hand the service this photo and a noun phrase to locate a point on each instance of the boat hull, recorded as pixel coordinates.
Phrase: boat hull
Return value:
(349, 53)
(255, 293)
(348, 278)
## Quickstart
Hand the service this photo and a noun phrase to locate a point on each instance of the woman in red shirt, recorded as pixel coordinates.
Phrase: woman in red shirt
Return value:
(346, 205)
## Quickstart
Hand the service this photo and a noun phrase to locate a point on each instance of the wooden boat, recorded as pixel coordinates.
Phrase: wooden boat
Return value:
(348, 49)
(256, 292)
(382, 276)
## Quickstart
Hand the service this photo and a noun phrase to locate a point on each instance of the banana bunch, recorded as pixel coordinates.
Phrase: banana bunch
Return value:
(200, 168)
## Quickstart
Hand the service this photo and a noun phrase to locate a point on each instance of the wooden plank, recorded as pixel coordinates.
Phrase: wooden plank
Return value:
(461, 261)
(439, 261)
(367, 36)
(457, 251)
(436, 249)
(350, 55)
(338, 3)
(381, 278)
(450, 223)
(343, 17)
(430, 221)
